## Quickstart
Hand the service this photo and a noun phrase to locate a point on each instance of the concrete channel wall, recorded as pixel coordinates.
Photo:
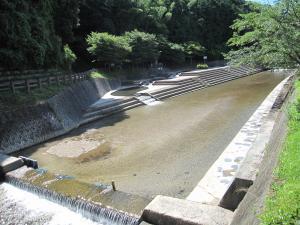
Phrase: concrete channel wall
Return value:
(244, 169)
(31, 125)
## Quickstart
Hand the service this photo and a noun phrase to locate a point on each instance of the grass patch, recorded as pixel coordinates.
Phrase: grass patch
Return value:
(283, 206)
(9, 101)
(202, 66)
(99, 74)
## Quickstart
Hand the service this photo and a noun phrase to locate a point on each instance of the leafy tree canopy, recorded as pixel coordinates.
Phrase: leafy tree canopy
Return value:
(107, 48)
(269, 36)
(144, 47)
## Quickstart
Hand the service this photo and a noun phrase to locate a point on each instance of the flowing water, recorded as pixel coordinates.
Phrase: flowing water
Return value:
(19, 207)
(148, 100)
(128, 91)
(161, 149)
(94, 212)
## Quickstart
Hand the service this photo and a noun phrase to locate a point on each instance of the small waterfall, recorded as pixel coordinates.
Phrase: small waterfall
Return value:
(148, 99)
(95, 212)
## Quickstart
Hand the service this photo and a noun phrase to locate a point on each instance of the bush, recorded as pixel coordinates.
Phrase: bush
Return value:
(202, 66)
(193, 50)
(98, 74)
(70, 57)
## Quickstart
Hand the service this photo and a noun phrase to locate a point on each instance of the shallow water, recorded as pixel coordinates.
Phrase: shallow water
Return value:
(162, 149)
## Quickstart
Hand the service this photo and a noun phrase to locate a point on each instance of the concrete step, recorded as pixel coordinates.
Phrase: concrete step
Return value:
(204, 71)
(110, 108)
(190, 80)
(196, 84)
(186, 90)
(108, 104)
(216, 74)
(219, 81)
(173, 88)
(97, 117)
(213, 80)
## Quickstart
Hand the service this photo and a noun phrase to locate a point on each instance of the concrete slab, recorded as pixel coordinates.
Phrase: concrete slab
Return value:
(181, 78)
(250, 166)
(171, 211)
(8, 163)
(201, 71)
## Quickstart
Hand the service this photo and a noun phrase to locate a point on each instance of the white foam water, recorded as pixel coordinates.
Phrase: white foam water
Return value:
(148, 100)
(23, 208)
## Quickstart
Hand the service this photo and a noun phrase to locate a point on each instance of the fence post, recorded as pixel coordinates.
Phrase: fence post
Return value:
(27, 85)
(12, 86)
(65, 79)
(57, 79)
(40, 82)
(70, 78)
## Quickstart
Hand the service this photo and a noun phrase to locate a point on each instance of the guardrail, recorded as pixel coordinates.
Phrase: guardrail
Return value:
(13, 84)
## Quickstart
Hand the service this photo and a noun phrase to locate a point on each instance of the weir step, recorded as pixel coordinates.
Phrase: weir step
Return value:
(175, 93)
(109, 108)
(121, 109)
(107, 104)
(161, 94)
(180, 82)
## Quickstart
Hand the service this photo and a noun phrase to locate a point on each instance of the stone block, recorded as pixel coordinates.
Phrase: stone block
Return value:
(8, 163)
(171, 211)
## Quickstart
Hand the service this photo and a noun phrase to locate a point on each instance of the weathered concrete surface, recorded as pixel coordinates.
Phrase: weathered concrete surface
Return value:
(253, 202)
(251, 165)
(171, 211)
(27, 126)
(8, 163)
(214, 185)
(247, 173)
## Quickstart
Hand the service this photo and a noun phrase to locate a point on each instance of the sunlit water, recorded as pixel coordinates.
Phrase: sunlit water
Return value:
(161, 149)
(18, 207)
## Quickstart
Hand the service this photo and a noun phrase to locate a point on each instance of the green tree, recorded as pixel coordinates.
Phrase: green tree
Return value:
(108, 49)
(212, 20)
(65, 18)
(193, 50)
(171, 53)
(269, 36)
(144, 47)
(30, 36)
(70, 57)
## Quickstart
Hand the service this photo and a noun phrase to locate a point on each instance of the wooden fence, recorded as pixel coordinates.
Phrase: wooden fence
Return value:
(13, 84)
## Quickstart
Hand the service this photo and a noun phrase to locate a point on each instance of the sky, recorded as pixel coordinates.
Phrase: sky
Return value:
(265, 1)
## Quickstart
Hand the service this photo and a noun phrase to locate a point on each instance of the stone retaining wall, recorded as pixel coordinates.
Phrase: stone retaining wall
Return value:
(58, 115)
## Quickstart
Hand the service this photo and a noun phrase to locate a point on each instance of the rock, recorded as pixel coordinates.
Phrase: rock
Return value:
(8, 163)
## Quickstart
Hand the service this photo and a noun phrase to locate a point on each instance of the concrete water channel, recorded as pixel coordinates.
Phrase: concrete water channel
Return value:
(161, 149)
